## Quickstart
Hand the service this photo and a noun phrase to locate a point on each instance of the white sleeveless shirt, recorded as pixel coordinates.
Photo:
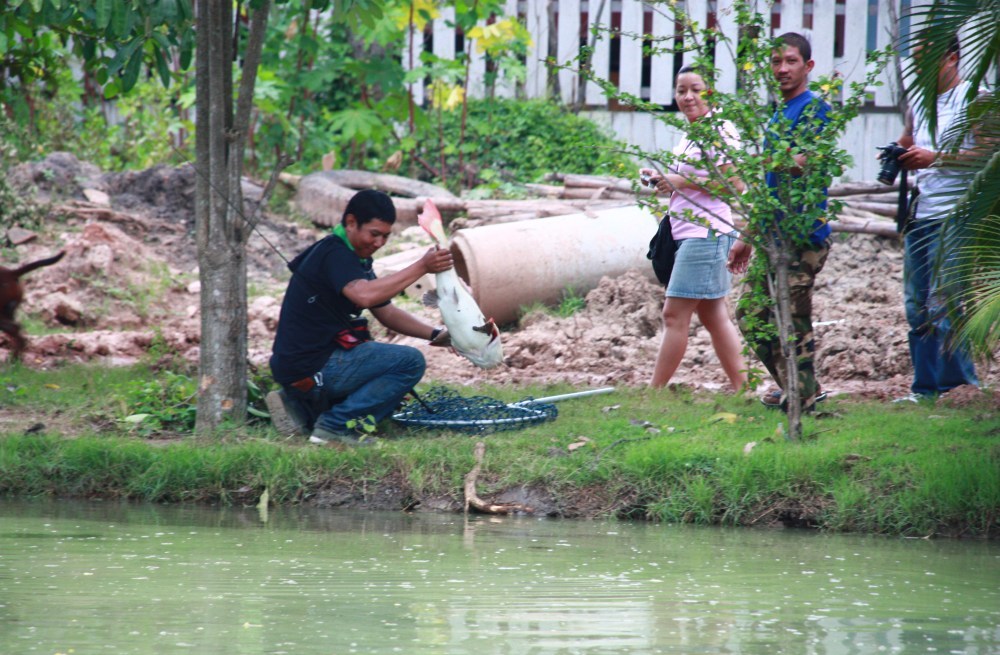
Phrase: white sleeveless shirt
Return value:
(941, 187)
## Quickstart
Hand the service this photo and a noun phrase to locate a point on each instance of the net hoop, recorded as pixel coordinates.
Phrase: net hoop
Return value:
(444, 409)
(530, 415)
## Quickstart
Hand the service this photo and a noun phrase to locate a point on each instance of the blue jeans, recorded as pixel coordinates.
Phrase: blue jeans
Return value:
(938, 365)
(368, 380)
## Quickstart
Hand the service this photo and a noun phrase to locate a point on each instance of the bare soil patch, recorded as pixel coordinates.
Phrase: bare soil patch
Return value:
(129, 284)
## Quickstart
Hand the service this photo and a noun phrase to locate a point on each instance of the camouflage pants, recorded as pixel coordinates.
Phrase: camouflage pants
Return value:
(805, 264)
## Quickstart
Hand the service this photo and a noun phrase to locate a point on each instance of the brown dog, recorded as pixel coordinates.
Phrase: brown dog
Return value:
(11, 295)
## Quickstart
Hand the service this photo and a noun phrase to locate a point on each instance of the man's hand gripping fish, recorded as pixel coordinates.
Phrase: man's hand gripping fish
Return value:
(472, 335)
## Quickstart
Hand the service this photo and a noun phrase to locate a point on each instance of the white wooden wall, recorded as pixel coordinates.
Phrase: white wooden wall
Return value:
(822, 21)
(825, 22)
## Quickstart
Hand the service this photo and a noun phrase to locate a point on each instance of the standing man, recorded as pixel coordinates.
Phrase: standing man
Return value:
(938, 364)
(330, 371)
(791, 63)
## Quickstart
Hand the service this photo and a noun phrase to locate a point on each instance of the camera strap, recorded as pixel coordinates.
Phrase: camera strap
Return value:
(902, 208)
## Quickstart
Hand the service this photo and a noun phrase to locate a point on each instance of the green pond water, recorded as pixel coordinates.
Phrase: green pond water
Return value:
(83, 578)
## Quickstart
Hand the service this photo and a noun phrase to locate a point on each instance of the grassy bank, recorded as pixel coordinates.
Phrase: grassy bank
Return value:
(672, 455)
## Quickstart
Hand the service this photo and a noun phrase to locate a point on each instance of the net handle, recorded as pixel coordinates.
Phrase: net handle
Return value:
(566, 396)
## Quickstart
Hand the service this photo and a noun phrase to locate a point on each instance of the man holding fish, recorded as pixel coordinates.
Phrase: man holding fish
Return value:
(330, 370)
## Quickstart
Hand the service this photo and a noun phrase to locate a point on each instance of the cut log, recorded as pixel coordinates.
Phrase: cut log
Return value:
(601, 193)
(876, 229)
(875, 226)
(466, 223)
(612, 184)
(854, 212)
(545, 190)
(472, 498)
(90, 212)
(882, 198)
(880, 208)
(854, 188)
(595, 181)
(323, 196)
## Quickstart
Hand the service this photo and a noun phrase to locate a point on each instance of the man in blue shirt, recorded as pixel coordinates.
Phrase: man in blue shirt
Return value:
(791, 63)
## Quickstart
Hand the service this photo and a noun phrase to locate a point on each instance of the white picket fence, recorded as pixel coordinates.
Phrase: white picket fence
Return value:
(840, 32)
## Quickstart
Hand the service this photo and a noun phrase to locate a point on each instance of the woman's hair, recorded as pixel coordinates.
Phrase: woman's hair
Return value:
(701, 71)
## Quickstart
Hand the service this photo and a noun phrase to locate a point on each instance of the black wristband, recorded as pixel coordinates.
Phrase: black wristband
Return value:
(435, 332)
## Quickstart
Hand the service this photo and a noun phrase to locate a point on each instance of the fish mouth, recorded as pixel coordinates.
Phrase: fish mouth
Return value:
(489, 327)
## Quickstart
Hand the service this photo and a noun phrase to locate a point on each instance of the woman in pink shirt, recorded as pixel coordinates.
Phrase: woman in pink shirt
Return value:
(702, 225)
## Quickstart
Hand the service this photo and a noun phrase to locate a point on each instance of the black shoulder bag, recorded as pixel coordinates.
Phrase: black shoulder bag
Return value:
(662, 249)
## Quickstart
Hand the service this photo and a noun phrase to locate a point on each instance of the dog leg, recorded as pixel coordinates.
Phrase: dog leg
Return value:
(13, 330)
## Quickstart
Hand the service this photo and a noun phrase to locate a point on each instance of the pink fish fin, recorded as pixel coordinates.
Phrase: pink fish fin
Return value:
(430, 220)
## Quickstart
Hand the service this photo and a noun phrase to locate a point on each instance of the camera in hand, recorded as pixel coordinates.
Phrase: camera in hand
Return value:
(890, 162)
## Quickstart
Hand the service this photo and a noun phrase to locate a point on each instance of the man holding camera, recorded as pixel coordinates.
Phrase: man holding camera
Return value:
(938, 363)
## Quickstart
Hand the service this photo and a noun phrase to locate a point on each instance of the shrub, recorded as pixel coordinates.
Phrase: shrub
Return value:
(519, 140)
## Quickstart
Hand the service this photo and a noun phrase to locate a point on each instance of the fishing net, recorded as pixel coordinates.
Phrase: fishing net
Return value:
(443, 408)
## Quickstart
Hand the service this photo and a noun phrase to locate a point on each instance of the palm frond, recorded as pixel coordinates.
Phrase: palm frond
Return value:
(971, 259)
(938, 24)
(981, 198)
(979, 325)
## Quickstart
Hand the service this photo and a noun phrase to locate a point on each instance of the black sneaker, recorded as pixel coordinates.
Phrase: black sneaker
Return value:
(285, 417)
(324, 437)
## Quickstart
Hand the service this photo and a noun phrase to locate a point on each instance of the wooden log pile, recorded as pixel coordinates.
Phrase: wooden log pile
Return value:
(488, 212)
(869, 207)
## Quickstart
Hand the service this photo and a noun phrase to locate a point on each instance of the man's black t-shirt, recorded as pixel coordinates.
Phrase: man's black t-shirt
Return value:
(314, 309)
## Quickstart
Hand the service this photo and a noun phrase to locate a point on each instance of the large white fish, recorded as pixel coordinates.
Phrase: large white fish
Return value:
(472, 335)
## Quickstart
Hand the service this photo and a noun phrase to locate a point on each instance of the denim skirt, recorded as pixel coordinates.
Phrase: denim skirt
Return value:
(700, 268)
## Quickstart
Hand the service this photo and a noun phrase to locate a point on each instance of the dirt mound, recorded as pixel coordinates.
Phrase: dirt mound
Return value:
(162, 190)
(129, 280)
(59, 176)
(129, 285)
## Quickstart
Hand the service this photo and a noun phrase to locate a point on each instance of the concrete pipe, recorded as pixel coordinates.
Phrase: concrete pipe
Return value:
(511, 265)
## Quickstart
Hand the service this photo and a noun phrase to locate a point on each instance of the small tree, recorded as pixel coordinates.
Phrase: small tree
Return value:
(774, 221)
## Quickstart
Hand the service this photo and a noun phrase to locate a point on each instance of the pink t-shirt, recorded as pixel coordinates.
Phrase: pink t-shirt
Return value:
(700, 202)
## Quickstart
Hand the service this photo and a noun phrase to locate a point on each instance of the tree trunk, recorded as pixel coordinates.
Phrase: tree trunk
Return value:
(777, 278)
(222, 228)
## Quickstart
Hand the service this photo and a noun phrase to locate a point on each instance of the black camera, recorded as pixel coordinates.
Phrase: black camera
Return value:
(890, 162)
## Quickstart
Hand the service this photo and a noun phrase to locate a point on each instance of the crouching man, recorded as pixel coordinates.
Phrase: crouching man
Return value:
(330, 370)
